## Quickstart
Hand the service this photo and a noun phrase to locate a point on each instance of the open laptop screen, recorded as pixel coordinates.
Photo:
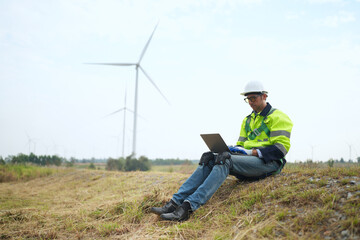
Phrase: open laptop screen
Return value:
(215, 142)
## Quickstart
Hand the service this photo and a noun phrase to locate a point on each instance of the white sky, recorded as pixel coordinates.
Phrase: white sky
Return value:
(306, 52)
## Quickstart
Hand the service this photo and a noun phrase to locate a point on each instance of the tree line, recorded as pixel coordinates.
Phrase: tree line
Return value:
(129, 163)
(331, 160)
(42, 160)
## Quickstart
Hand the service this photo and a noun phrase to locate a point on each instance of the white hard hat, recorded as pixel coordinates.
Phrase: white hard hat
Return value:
(254, 86)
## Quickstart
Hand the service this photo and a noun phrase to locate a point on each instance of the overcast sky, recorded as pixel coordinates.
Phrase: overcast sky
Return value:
(306, 52)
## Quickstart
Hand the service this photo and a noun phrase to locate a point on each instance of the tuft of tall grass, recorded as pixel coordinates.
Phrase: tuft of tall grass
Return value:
(15, 172)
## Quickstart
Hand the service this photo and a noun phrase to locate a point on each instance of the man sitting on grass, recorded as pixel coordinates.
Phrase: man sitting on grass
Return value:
(263, 143)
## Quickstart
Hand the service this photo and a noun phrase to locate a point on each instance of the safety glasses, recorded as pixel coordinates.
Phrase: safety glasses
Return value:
(252, 98)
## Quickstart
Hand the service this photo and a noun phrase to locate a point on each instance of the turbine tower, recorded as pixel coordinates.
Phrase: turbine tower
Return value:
(137, 67)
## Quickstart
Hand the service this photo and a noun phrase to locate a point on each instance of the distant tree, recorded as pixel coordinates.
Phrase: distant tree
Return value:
(20, 159)
(111, 164)
(8, 159)
(33, 158)
(2, 162)
(56, 160)
(342, 160)
(187, 162)
(41, 160)
(92, 166)
(144, 164)
(130, 164)
(69, 164)
(331, 162)
(115, 164)
(358, 159)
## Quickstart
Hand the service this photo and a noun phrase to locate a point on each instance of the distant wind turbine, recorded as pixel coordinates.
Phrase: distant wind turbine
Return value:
(312, 152)
(349, 150)
(137, 67)
(124, 122)
(31, 140)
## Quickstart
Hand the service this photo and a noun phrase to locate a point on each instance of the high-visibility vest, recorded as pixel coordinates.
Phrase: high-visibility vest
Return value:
(259, 131)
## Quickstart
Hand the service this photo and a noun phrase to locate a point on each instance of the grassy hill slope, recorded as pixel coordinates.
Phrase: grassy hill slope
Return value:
(304, 202)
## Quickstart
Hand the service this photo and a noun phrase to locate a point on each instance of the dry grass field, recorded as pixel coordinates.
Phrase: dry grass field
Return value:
(303, 202)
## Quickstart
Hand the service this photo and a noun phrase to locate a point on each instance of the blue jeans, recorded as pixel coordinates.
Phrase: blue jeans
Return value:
(204, 182)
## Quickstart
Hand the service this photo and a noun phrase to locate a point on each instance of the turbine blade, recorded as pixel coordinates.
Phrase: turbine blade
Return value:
(134, 113)
(124, 109)
(113, 64)
(119, 110)
(130, 110)
(147, 44)
(154, 84)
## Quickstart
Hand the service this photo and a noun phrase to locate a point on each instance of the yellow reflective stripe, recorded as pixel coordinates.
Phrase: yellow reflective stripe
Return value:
(281, 148)
(280, 133)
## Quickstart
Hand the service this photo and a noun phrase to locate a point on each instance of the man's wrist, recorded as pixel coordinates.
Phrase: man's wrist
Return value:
(254, 152)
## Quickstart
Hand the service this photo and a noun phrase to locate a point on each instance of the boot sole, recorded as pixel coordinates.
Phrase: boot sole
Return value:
(159, 213)
(176, 220)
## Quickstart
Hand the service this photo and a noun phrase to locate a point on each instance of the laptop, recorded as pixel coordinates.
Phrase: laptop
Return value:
(215, 142)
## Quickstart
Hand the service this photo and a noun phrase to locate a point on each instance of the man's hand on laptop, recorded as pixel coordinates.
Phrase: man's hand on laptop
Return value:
(238, 149)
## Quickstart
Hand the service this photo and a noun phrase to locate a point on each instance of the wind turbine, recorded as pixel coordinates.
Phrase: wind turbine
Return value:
(119, 110)
(137, 67)
(312, 152)
(349, 150)
(124, 122)
(31, 140)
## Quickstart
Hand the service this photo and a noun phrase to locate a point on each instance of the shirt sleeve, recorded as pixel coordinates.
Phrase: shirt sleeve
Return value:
(270, 153)
(280, 127)
(242, 137)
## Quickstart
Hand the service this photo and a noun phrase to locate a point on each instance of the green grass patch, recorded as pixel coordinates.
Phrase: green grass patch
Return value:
(280, 216)
(106, 229)
(15, 172)
(317, 216)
